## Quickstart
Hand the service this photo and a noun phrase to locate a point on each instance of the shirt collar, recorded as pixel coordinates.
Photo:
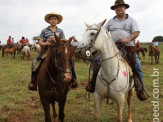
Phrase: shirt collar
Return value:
(115, 17)
(50, 29)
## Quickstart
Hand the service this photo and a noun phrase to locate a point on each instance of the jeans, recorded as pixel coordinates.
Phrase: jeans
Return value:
(138, 68)
(73, 70)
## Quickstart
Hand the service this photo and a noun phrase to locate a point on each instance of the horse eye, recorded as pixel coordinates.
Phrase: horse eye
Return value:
(92, 34)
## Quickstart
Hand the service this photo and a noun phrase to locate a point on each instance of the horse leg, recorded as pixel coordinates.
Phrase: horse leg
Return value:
(61, 110)
(151, 59)
(54, 112)
(2, 53)
(129, 99)
(120, 104)
(46, 106)
(143, 54)
(97, 100)
(156, 58)
(14, 53)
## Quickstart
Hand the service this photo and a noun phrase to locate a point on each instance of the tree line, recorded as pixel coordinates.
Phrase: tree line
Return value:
(158, 38)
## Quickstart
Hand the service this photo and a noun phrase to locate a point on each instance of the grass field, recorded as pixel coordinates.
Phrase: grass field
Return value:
(18, 104)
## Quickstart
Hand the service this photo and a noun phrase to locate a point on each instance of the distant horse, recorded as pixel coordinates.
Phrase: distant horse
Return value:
(9, 51)
(142, 50)
(7, 47)
(154, 51)
(36, 47)
(54, 78)
(26, 52)
(113, 77)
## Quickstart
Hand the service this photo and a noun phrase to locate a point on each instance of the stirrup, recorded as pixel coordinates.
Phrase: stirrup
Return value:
(73, 83)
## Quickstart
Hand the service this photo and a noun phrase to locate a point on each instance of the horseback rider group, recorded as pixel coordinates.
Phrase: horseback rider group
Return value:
(123, 29)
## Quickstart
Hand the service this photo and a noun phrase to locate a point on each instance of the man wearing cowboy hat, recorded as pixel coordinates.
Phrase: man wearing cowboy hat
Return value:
(46, 36)
(124, 30)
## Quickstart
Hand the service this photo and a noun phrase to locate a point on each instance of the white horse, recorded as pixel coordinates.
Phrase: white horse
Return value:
(25, 52)
(113, 77)
(37, 46)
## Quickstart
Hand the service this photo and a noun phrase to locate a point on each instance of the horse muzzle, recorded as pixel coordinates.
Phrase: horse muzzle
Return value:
(67, 77)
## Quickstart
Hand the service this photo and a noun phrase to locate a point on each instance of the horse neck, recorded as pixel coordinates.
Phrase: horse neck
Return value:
(109, 57)
(49, 62)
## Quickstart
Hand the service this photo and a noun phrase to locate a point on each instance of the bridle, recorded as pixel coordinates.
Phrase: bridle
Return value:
(88, 47)
(57, 66)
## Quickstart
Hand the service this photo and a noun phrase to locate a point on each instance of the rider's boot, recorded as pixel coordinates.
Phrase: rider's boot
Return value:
(33, 84)
(91, 85)
(140, 92)
(73, 83)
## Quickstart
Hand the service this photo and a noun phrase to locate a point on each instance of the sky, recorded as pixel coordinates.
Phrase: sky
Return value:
(26, 17)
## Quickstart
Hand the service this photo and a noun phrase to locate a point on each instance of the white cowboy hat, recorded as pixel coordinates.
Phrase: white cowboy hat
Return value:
(53, 14)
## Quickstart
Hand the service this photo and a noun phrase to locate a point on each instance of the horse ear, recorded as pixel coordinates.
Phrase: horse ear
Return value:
(86, 24)
(102, 23)
(70, 39)
(56, 38)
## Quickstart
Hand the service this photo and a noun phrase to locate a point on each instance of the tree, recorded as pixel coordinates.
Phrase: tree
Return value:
(158, 38)
(35, 37)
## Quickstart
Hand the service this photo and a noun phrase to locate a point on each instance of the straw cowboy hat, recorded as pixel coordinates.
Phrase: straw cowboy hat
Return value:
(119, 2)
(53, 14)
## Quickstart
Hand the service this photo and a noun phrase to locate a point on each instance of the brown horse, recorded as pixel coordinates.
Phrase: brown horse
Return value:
(54, 77)
(7, 46)
(142, 50)
(9, 51)
(154, 51)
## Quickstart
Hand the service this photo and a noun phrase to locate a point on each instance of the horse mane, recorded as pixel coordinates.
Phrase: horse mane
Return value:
(111, 40)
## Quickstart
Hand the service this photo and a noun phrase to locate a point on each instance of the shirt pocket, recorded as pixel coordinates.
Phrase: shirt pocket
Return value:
(126, 27)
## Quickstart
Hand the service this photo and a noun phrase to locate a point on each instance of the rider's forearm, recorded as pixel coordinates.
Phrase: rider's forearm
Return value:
(134, 35)
(41, 42)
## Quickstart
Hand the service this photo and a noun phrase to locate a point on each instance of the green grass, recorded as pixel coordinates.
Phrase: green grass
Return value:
(18, 104)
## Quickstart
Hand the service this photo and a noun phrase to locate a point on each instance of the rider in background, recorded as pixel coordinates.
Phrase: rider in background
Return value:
(155, 44)
(138, 44)
(9, 42)
(75, 43)
(24, 41)
(12, 40)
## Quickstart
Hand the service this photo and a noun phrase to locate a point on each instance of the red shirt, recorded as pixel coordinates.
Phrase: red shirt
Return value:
(9, 41)
(138, 44)
(23, 41)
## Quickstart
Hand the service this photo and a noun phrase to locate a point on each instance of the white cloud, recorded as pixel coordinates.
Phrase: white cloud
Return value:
(26, 17)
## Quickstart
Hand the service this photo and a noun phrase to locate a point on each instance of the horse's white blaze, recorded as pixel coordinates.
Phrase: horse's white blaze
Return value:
(109, 68)
(66, 50)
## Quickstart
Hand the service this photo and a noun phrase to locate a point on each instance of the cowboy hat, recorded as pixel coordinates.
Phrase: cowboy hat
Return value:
(53, 14)
(119, 2)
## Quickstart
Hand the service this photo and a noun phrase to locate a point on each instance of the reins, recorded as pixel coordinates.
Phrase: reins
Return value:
(57, 66)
